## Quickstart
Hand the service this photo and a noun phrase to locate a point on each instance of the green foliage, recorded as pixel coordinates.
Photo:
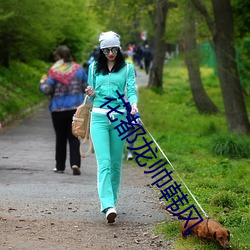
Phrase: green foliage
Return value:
(210, 129)
(28, 33)
(231, 146)
(19, 87)
(219, 183)
(208, 58)
(241, 17)
(243, 59)
(128, 18)
(175, 25)
(169, 231)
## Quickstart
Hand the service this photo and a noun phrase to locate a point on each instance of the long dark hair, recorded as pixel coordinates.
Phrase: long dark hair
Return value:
(101, 63)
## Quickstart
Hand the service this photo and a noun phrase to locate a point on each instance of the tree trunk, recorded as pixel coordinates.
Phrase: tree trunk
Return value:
(235, 109)
(201, 99)
(159, 46)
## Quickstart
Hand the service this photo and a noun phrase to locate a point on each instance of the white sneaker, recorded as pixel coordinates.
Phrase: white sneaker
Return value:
(129, 156)
(111, 214)
(58, 171)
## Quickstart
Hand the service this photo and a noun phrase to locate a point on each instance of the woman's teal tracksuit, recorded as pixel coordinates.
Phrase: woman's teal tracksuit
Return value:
(108, 145)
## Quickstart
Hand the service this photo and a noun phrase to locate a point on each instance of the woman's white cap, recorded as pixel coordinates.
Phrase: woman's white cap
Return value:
(109, 39)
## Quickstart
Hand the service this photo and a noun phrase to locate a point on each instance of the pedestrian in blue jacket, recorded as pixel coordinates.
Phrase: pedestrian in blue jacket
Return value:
(65, 83)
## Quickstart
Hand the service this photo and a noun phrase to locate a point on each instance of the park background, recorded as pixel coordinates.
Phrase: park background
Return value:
(206, 138)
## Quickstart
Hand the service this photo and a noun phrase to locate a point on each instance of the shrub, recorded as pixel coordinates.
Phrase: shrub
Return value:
(231, 146)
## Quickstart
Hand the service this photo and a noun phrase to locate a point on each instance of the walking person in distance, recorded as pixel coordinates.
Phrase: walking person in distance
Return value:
(147, 54)
(65, 84)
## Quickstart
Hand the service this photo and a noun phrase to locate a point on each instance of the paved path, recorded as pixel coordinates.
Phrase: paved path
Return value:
(141, 78)
(30, 192)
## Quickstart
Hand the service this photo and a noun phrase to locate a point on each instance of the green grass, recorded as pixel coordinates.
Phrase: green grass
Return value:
(19, 88)
(214, 164)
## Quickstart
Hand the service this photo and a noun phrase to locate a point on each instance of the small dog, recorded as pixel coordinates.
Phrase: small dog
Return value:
(210, 230)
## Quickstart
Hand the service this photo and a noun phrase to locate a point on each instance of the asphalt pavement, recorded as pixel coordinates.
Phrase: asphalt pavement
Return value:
(28, 184)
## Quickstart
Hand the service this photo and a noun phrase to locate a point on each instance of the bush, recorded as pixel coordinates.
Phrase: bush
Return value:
(19, 88)
(231, 146)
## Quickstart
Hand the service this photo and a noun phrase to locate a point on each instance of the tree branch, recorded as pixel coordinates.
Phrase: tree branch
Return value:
(202, 9)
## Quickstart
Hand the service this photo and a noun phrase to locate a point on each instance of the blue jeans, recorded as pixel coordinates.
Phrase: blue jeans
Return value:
(108, 148)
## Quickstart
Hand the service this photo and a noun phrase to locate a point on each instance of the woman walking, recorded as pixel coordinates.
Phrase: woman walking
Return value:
(65, 84)
(107, 75)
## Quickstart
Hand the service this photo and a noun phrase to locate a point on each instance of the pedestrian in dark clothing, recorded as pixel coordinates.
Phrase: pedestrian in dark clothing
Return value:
(65, 83)
(147, 54)
(138, 56)
(93, 55)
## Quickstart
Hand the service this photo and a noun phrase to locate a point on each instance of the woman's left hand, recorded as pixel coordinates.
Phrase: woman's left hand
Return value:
(134, 109)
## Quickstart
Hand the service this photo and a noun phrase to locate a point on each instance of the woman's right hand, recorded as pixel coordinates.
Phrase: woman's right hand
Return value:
(134, 109)
(43, 79)
(90, 91)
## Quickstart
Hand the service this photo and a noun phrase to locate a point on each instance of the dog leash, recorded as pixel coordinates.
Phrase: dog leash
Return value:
(203, 211)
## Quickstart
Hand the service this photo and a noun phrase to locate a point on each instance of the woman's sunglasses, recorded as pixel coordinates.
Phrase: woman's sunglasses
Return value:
(106, 51)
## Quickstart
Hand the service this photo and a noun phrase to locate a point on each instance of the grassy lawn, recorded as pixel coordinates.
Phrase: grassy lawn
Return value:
(19, 88)
(214, 164)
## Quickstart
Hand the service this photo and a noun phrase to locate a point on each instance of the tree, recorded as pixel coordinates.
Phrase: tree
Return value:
(23, 33)
(201, 99)
(28, 33)
(127, 17)
(242, 33)
(159, 44)
(223, 38)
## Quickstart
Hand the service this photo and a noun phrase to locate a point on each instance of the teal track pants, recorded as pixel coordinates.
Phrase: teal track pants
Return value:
(108, 148)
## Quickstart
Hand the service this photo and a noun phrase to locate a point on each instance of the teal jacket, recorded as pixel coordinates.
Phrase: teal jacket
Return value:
(106, 85)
